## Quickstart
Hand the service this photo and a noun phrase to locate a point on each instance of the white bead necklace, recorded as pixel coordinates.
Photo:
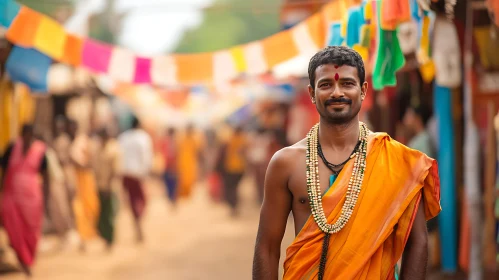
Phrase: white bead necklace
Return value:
(354, 185)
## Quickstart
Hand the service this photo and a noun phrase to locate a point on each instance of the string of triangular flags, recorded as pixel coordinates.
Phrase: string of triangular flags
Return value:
(368, 26)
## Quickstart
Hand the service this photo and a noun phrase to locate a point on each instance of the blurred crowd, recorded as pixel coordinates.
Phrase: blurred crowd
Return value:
(70, 183)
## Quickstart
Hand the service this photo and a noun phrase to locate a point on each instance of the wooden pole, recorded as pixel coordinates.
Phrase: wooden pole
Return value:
(489, 232)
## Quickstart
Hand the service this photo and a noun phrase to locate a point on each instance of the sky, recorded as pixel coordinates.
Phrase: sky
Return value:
(151, 27)
(156, 26)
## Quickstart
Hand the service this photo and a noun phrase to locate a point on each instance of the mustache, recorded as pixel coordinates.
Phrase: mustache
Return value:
(337, 100)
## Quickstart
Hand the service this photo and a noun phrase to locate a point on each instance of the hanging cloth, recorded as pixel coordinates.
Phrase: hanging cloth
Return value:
(446, 53)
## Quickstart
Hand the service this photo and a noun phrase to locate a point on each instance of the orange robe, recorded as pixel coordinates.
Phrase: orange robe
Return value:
(188, 151)
(368, 247)
(86, 204)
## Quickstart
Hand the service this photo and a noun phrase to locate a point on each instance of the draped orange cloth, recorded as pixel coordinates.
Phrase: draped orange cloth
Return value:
(395, 180)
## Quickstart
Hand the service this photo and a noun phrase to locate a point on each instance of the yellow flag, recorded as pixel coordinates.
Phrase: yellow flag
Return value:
(50, 38)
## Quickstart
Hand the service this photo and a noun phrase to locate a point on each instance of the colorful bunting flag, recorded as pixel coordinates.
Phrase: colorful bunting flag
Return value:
(238, 55)
(8, 11)
(142, 70)
(335, 38)
(353, 18)
(194, 68)
(122, 65)
(30, 67)
(389, 58)
(164, 71)
(24, 27)
(96, 56)
(302, 39)
(255, 59)
(73, 50)
(393, 13)
(50, 38)
(224, 67)
(278, 48)
(354, 25)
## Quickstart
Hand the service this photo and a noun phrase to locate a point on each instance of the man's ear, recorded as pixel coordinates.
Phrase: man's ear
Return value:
(363, 91)
(311, 92)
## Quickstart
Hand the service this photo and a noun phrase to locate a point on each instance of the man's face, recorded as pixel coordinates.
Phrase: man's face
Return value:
(410, 119)
(338, 94)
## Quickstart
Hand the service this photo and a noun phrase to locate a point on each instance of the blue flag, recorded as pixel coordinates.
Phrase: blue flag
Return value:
(30, 67)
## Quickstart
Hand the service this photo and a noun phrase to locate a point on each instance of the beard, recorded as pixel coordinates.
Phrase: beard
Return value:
(338, 117)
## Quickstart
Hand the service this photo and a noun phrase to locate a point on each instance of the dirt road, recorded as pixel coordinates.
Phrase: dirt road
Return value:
(196, 241)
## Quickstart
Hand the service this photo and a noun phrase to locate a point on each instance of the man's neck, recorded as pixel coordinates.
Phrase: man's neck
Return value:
(339, 136)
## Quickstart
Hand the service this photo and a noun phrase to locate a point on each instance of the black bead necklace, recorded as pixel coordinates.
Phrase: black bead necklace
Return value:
(331, 166)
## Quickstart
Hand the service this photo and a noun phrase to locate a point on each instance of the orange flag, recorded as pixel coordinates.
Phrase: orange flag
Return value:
(23, 29)
(279, 48)
(73, 50)
(194, 68)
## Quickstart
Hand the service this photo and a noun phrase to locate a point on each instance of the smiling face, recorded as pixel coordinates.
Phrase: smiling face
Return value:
(337, 93)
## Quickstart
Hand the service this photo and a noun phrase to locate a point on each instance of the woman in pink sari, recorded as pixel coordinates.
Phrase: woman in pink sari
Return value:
(21, 202)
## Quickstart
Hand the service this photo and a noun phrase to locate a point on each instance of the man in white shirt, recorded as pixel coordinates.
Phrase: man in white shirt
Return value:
(137, 155)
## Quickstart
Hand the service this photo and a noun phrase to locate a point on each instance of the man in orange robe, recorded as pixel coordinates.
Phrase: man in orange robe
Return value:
(399, 191)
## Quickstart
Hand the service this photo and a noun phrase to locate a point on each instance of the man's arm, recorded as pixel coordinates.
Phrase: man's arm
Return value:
(415, 257)
(273, 218)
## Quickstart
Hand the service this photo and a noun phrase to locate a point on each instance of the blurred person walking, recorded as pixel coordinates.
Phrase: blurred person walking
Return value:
(106, 168)
(234, 167)
(21, 195)
(169, 150)
(188, 161)
(86, 201)
(213, 164)
(62, 146)
(58, 205)
(137, 154)
(258, 157)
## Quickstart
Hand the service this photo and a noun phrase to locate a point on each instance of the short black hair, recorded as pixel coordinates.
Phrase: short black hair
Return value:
(424, 112)
(337, 55)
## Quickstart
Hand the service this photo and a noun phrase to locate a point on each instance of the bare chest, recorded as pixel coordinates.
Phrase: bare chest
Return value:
(297, 185)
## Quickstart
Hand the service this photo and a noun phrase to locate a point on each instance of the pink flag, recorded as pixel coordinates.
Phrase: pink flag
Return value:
(142, 70)
(96, 56)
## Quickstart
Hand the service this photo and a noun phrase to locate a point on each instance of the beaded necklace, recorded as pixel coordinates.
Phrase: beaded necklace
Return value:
(314, 190)
(335, 168)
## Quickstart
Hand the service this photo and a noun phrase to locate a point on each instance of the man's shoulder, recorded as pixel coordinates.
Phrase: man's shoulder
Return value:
(288, 155)
(385, 139)
(395, 147)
